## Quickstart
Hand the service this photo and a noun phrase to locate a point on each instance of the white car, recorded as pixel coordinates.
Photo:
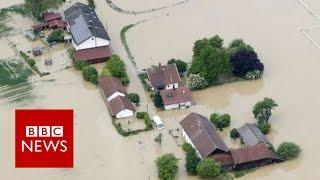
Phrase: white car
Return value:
(157, 121)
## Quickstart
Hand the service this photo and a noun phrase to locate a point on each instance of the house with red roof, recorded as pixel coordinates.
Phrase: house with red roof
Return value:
(176, 98)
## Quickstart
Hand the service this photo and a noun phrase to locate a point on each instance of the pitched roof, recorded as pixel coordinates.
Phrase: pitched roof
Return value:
(49, 16)
(84, 23)
(40, 26)
(57, 23)
(224, 159)
(163, 75)
(252, 153)
(202, 134)
(175, 96)
(93, 53)
(111, 85)
(252, 135)
(118, 104)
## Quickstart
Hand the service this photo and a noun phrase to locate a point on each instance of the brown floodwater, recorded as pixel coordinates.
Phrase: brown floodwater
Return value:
(272, 27)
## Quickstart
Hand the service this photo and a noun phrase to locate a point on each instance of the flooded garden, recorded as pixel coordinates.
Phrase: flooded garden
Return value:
(168, 29)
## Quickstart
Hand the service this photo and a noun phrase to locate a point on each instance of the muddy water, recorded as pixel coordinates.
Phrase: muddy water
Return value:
(291, 77)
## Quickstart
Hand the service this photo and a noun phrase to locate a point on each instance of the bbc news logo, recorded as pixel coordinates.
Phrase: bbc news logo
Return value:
(44, 138)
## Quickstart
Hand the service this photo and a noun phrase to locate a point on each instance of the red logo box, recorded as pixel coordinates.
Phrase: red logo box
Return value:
(44, 139)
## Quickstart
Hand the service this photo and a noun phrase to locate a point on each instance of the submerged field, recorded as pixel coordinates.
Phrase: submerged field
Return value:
(272, 27)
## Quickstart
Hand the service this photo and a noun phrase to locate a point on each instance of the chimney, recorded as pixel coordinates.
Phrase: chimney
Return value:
(183, 91)
(171, 79)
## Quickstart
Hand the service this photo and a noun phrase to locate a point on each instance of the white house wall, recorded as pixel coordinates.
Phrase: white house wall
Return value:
(188, 140)
(124, 113)
(175, 106)
(92, 42)
(171, 86)
(114, 95)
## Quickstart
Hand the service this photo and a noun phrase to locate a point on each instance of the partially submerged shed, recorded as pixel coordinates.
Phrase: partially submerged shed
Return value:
(252, 135)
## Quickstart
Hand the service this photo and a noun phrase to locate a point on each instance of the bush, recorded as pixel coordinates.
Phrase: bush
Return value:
(234, 133)
(187, 147)
(158, 100)
(208, 168)
(158, 138)
(79, 65)
(220, 121)
(125, 80)
(90, 74)
(141, 115)
(56, 36)
(91, 4)
(148, 122)
(181, 66)
(196, 82)
(192, 161)
(106, 72)
(134, 97)
(167, 165)
(238, 45)
(264, 127)
(288, 150)
(256, 74)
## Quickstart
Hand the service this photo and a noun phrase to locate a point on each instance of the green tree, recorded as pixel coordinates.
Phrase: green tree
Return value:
(90, 74)
(116, 66)
(167, 166)
(262, 109)
(220, 120)
(192, 161)
(213, 64)
(264, 127)
(37, 7)
(79, 65)
(158, 100)
(234, 133)
(55, 36)
(208, 168)
(181, 66)
(134, 97)
(237, 45)
(216, 42)
(187, 147)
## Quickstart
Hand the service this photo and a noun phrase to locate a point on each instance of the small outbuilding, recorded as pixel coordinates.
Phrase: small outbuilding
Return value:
(251, 135)
(50, 16)
(37, 51)
(121, 107)
(253, 156)
(94, 55)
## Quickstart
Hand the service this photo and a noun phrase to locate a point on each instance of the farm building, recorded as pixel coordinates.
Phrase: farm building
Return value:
(93, 55)
(225, 160)
(88, 33)
(253, 156)
(111, 87)
(176, 98)
(252, 135)
(121, 107)
(163, 77)
(200, 133)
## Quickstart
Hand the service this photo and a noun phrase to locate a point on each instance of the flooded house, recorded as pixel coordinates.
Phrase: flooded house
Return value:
(253, 156)
(163, 77)
(51, 20)
(203, 137)
(176, 98)
(89, 37)
(121, 107)
(111, 87)
(251, 135)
